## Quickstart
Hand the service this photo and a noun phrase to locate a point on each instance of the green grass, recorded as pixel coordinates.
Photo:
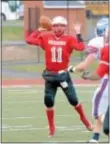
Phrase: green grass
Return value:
(24, 119)
(41, 66)
(12, 22)
(12, 33)
(28, 68)
(38, 68)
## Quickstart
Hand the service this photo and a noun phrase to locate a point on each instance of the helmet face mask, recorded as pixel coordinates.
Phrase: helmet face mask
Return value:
(59, 29)
(59, 25)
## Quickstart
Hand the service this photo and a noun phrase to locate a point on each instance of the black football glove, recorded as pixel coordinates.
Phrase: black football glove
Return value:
(71, 69)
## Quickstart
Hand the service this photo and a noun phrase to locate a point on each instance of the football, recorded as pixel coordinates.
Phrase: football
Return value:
(45, 23)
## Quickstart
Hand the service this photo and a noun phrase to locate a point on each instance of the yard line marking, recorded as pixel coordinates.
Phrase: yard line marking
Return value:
(23, 129)
(42, 91)
(31, 86)
(75, 128)
(59, 128)
(38, 101)
(33, 101)
(30, 117)
(21, 117)
(10, 126)
(28, 129)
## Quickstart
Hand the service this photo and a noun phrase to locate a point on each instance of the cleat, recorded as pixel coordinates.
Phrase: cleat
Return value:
(87, 124)
(93, 141)
(51, 132)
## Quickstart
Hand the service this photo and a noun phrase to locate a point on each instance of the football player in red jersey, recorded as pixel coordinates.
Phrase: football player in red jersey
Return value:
(58, 47)
(102, 73)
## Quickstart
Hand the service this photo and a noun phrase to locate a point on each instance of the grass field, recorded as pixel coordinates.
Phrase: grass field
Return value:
(39, 67)
(12, 33)
(24, 120)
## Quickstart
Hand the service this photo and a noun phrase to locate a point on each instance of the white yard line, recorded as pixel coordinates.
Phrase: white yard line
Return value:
(31, 86)
(37, 101)
(76, 128)
(42, 91)
(31, 101)
(29, 127)
(32, 117)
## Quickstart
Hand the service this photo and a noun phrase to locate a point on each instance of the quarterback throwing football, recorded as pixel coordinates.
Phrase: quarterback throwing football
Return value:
(58, 47)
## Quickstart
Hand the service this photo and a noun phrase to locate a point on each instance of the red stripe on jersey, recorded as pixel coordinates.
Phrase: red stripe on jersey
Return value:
(104, 62)
(91, 49)
(102, 70)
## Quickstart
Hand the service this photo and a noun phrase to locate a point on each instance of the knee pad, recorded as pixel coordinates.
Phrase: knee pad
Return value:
(48, 101)
(106, 130)
(73, 101)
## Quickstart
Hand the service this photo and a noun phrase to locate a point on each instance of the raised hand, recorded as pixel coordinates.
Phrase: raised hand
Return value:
(77, 28)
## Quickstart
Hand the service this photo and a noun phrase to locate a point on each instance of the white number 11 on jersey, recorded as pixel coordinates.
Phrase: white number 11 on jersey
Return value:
(56, 54)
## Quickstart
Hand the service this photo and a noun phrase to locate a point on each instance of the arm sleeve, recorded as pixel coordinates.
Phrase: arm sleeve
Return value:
(102, 70)
(104, 63)
(77, 43)
(92, 48)
(33, 38)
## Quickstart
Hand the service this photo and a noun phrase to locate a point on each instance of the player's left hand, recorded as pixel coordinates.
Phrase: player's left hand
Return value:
(85, 75)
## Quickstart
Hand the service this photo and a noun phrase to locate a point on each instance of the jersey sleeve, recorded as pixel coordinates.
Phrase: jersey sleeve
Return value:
(102, 70)
(104, 63)
(76, 44)
(92, 48)
(34, 38)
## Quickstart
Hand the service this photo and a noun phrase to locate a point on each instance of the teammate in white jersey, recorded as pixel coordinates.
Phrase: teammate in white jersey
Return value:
(93, 48)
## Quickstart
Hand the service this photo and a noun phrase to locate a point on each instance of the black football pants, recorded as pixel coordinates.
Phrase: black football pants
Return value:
(51, 89)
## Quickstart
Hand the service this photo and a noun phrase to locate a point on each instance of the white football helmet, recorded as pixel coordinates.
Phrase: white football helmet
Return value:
(59, 20)
(101, 26)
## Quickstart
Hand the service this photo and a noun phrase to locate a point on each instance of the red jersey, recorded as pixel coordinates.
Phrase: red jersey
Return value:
(103, 68)
(57, 50)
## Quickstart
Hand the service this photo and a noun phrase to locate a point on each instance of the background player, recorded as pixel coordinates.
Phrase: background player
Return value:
(94, 47)
(100, 99)
(58, 47)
